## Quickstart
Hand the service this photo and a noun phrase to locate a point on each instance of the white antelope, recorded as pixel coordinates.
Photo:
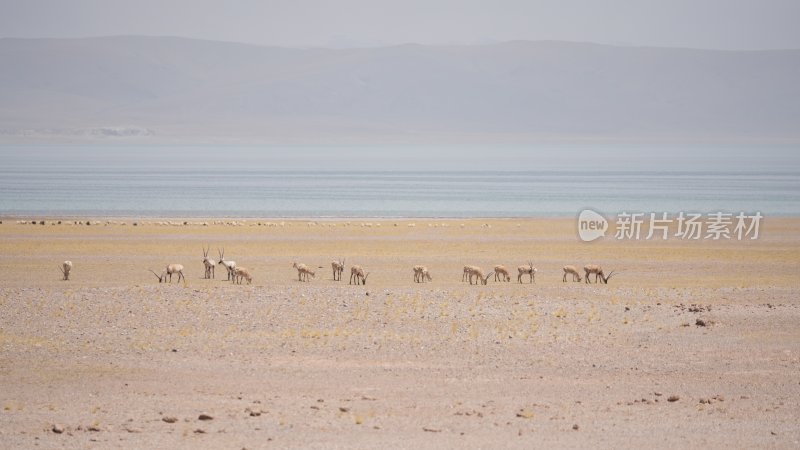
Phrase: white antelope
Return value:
(501, 273)
(171, 269)
(338, 268)
(229, 265)
(65, 268)
(571, 270)
(357, 274)
(209, 264)
(303, 272)
(598, 272)
(527, 270)
(240, 273)
(421, 273)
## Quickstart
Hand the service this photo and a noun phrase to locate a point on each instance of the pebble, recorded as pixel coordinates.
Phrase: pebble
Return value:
(169, 419)
(673, 398)
(575, 427)
(58, 428)
(700, 323)
(204, 417)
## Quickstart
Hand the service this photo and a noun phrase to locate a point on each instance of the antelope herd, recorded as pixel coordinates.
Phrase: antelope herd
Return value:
(359, 276)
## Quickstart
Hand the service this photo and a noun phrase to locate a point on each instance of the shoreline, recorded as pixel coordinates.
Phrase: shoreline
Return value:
(195, 219)
(49, 218)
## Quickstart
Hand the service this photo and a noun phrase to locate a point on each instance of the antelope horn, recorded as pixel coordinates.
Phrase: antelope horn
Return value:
(62, 270)
(154, 273)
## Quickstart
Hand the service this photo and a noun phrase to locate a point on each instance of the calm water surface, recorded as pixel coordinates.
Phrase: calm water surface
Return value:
(395, 181)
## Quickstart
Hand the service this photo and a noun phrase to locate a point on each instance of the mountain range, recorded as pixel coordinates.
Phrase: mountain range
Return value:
(176, 89)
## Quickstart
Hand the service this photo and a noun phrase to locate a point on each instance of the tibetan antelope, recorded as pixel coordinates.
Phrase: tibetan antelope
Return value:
(65, 268)
(478, 273)
(209, 264)
(598, 273)
(421, 273)
(240, 273)
(501, 273)
(357, 274)
(303, 272)
(571, 270)
(229, 265)
(526, 270)
(171, 269)
(338, 268)
(467, 270)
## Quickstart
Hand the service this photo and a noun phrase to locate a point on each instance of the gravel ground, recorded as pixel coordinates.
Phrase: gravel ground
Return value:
(690, 346)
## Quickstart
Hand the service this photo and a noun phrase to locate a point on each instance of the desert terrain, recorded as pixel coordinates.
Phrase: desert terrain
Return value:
(691, 345)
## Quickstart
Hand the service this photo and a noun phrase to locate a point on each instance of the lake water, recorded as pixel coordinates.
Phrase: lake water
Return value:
(395, 181)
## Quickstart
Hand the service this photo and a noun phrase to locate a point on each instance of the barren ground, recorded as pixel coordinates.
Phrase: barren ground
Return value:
(111, 353)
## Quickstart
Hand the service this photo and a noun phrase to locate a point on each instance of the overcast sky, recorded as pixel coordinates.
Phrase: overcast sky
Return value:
(717, 24)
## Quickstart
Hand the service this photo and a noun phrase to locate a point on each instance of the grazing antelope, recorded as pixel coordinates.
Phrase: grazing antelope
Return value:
(171, 269)
(571, 270)
(209, 263)
(421, 273)
(357, 274)
(501, 274)
(467, 271)
(478, 272)
(229, 265)
(338, 268)
(598, 272)
(425, 274)
(303, 272)
(240, 273)
(526, 270)
(475, 271)
(65, 268)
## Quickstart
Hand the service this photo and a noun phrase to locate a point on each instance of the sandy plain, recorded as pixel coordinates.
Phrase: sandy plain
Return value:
(111, 356)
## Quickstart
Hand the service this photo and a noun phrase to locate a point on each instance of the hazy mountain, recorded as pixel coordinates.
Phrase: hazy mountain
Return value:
(192, 89)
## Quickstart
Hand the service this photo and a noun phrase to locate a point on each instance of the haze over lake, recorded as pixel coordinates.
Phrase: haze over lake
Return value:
(395, 181)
